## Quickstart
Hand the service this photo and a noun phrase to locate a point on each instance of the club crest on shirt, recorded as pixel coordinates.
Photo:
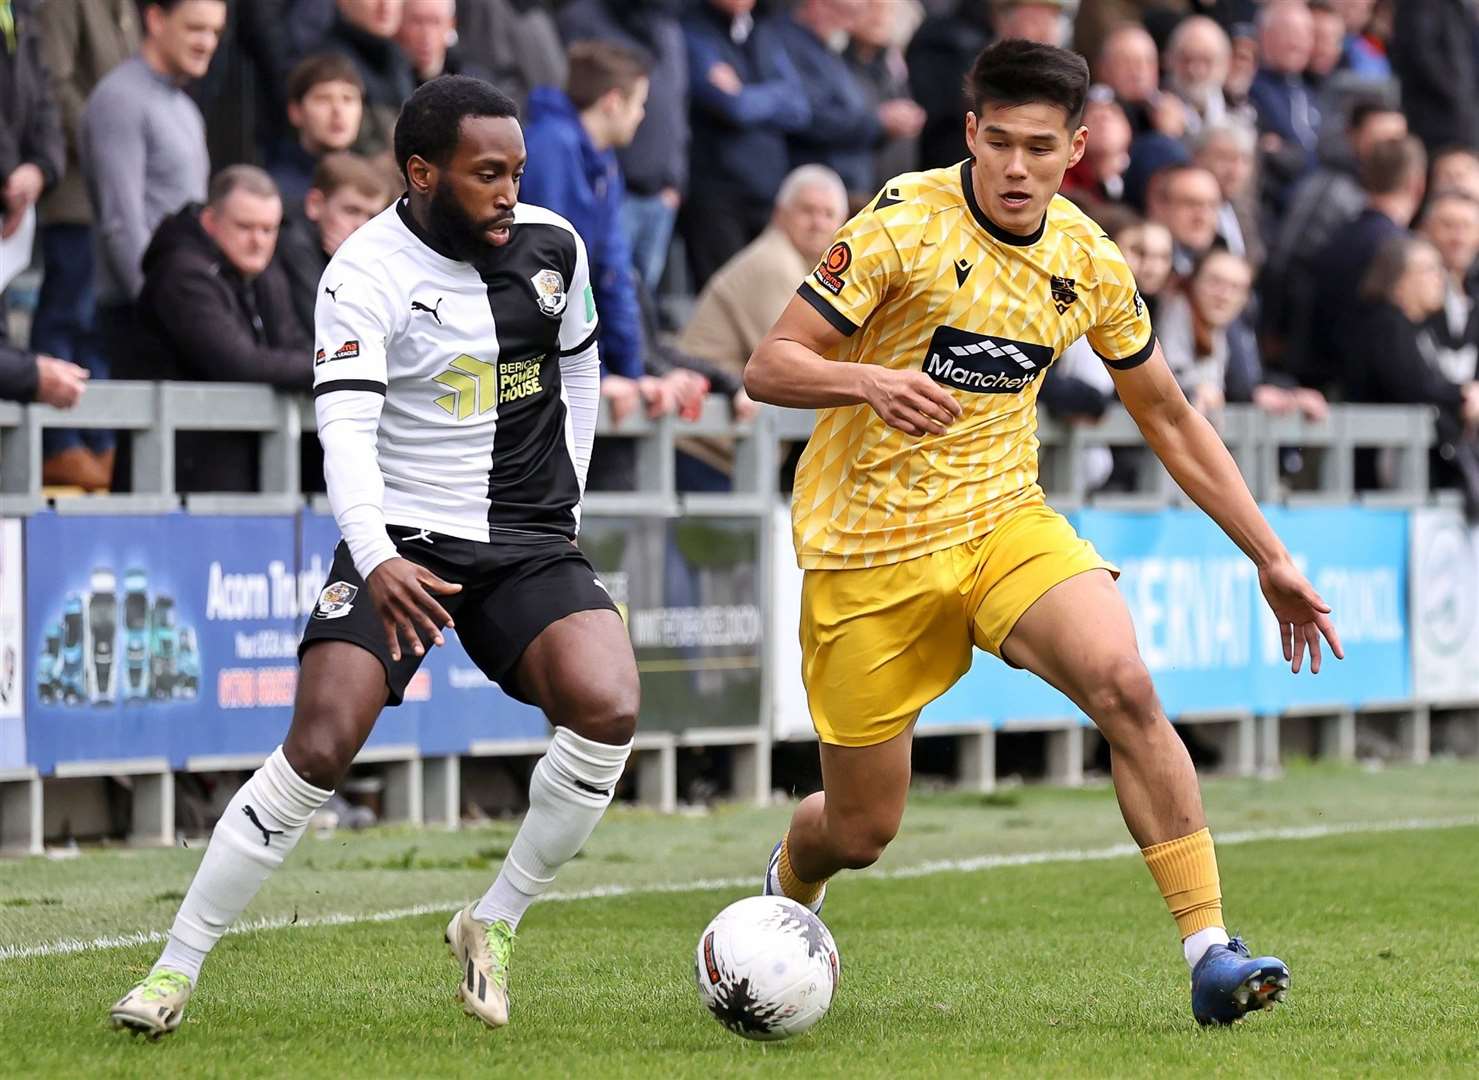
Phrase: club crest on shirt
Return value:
(336, 601)
(549, 290)
(1063, 292)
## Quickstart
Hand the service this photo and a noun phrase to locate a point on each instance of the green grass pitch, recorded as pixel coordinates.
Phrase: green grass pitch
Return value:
(1064, 964)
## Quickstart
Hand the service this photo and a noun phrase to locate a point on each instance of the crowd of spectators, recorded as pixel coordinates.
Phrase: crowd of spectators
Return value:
(1294, 182)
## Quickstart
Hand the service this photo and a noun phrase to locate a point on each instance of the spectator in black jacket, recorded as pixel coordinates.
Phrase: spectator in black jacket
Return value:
(655, 164)
(27, 377)
(1434, 54)
(746, 98)
(1392, 357)
(1393, 178)
(33, 151)
(326, 100)
(216, 307)
(364, 31)
(346, 191)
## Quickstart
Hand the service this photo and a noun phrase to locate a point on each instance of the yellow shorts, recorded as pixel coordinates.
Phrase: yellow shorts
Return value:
(880, 643)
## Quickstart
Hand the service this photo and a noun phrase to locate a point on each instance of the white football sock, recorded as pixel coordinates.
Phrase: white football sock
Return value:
(1196, 946)
(262, 823)
(569, 791)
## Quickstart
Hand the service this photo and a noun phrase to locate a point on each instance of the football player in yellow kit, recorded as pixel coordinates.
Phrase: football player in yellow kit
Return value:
(921, 338)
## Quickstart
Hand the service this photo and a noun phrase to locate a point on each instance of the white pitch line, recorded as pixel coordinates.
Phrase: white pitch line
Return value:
(67, 946)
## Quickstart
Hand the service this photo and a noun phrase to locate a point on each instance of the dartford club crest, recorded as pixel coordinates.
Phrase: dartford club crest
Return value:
(336, 601)
(549, 290)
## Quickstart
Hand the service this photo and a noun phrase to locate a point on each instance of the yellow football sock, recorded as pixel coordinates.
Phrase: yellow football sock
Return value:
(803, 892)
(1185, 869)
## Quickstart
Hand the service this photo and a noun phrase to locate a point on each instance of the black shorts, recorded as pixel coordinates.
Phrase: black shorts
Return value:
(512, 589)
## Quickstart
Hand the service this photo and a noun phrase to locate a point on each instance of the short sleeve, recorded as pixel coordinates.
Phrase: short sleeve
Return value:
(855, 275)
(1121, 335)
(351, 322)
(578, 324)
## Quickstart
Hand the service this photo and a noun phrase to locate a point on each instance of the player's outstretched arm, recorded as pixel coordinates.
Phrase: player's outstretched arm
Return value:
(1197, 460)
(790, 368)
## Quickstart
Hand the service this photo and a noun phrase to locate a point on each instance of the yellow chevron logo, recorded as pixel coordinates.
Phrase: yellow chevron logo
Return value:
(474, 386)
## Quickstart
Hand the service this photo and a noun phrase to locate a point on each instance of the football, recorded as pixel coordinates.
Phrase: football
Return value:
(767, 968)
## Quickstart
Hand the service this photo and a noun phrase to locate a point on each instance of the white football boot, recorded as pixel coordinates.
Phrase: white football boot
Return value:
(483, 953)
(156, 1006)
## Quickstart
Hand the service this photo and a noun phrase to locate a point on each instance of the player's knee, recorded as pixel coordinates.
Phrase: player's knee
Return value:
(862, 842)
(608, 715)
(1123, 697)
(319, 754)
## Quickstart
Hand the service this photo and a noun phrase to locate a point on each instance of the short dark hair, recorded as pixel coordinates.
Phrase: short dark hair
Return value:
(324, 68)
(431, 119)
(1391, 163)
(1367, 106)
(1018, 72)
(599, 67)
(1388, 266)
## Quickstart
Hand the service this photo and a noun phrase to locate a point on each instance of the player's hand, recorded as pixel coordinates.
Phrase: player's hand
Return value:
(59, 383)
(910, 401)
(1303, 617)
(402, 594)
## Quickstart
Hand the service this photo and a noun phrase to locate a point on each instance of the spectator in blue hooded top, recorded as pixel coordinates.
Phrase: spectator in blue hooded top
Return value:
(571, 139)
(654, 163)
(746, 98)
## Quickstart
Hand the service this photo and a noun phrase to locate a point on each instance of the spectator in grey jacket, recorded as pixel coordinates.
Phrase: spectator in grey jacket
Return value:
(655, 165)
(143, 140)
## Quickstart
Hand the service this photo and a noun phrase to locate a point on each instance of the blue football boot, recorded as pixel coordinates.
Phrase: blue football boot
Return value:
(772, 886)
(1227, 983)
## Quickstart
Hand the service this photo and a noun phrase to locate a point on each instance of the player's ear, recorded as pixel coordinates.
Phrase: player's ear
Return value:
(421, 175)
(1077, 144)
(971, 125)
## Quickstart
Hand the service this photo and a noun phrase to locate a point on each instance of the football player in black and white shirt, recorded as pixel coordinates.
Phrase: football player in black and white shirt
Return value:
(457, 384)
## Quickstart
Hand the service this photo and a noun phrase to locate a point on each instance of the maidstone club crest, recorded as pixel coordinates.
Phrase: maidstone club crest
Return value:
(549, 290)
(1064, 294)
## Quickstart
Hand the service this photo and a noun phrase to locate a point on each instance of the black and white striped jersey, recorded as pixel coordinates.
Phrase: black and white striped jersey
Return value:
(481, 380)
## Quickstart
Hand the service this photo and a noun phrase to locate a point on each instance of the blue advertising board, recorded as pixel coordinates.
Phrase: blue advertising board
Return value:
(1202, 625)
(176, 636)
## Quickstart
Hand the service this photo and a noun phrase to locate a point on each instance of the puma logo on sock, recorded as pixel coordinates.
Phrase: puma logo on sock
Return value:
(267, 834)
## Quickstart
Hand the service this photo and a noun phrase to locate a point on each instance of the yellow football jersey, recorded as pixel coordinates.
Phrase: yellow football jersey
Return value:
(922, 279)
